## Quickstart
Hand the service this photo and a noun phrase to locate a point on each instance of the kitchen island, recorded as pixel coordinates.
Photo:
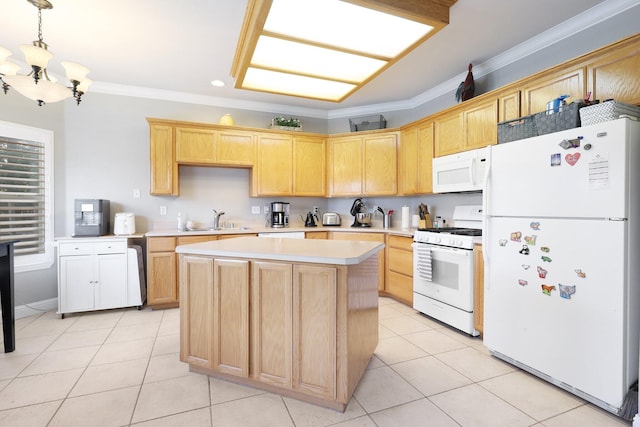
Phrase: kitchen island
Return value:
(292, 316)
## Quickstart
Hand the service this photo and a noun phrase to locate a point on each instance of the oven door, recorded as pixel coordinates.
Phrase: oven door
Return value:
(444, 274)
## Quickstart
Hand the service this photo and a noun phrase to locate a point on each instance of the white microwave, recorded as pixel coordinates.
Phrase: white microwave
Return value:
(460, 172)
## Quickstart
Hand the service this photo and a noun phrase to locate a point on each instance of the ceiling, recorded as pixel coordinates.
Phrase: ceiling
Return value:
(171, 49)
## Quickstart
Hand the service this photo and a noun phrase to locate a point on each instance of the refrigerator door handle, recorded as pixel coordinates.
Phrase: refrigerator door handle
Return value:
(486, 250)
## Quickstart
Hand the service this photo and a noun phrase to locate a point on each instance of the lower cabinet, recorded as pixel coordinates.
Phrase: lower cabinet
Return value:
(92, 275)
(399, 275)
(162, 278)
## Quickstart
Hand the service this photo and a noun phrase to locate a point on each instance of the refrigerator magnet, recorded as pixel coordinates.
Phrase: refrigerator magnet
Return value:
(567, 290)
(572, 158)
(502, 242)
(542, 273)
(545, 249)
(526, 266)
(535, 225)
(581, 274)
(522, 282)
(530, 240)
(545, 258)
(546, 289)
(515, 236)
(524, 250)
(556, 159)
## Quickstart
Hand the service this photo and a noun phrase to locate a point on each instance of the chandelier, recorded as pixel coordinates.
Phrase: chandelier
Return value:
(38, 85)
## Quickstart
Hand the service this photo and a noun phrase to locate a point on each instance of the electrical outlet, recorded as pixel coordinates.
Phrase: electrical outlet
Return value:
(136, 193)
(316, 210)
(163, 210)
(255, 210)
(265, 209)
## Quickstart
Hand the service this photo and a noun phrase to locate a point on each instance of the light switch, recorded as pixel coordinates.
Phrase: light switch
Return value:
(136, 193)
(163, 210)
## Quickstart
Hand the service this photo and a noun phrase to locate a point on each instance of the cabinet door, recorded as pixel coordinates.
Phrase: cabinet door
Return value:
(367, 237)
(449, 135)
(271, 336)
(275, 165)
(408, 176)
(380, 165)
(538, 92)
(314, 329)
(481, 125)
(309, 166)
(345, 166)
(231, 309)
(399, 277)
(316, 235)
(162, 286)
(195, 146)
(425, 158)
(77, 283)
(164, 169)
(111, 277)
(235, 148)
(509, 106)
(196, 312)
(615, 76)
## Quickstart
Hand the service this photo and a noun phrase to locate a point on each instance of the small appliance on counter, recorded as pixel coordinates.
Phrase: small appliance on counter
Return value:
(360, 216)
(331, 219)
(311, 220)
(279, 214)
(124, 224)
(91, 217)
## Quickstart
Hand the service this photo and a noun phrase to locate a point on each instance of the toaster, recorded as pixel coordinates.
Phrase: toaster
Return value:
(330, 218)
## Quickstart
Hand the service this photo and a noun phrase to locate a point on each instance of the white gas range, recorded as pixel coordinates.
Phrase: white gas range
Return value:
(443, 269)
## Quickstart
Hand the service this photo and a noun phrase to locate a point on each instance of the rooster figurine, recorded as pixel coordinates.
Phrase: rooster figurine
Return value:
(467, 87)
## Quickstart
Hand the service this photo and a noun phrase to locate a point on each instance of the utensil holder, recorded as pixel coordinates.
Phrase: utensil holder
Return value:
(386, 221)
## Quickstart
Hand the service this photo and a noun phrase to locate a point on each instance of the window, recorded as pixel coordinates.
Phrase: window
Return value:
(26, 194)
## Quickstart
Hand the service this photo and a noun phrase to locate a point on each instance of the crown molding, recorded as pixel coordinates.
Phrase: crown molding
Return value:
(569, 28)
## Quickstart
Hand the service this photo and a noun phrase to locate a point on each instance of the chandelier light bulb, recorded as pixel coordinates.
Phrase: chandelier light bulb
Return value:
(36, 56)
(75, 72)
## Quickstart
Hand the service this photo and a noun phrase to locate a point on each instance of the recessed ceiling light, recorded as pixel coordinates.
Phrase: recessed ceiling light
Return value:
(217, 83)
(328, 49)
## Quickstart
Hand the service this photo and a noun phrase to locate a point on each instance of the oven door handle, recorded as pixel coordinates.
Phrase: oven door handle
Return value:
(443, 250)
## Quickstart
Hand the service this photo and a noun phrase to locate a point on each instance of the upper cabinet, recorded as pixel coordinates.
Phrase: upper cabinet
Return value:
(416, 155)
(309, 166)
(467, 128)
(615, 75)
(363, 165)
(214, 147)
(544, 87)
(273, 174)
(164, 169)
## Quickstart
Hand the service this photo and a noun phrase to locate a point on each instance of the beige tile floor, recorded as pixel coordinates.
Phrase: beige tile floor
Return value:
(121, 368)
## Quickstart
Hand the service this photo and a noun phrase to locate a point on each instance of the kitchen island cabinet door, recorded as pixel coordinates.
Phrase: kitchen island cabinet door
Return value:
(230, 317)
(196, 313)
(314, 329)
(272, 329)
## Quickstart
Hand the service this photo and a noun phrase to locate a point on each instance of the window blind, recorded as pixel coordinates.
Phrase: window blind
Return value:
(22, 195)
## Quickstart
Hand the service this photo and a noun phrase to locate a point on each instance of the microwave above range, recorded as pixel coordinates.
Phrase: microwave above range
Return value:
(460, 172)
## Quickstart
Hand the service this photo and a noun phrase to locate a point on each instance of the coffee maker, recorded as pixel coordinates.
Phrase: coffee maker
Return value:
(279, 214)
(91, 217)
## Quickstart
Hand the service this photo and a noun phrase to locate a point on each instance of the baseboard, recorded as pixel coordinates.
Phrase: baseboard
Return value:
(37, 307)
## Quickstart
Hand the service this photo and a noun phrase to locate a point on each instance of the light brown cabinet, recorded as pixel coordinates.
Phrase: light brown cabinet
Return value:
(163, 168)
(162, 280)
(214, 314)
(202, 146)
(273, 173)
(367, 237)
(550, 85)
(478, 288)
(615, 74)
(449, 133)
(309, 166)
(509, 106)
(363, 165)
(293, 323)
(416, 155)
(316, 235)
(399, 274)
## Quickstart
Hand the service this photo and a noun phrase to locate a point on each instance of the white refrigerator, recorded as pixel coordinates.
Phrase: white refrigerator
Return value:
(562, 258)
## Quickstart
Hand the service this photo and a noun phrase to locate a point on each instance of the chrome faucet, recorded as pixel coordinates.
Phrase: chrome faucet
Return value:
(216, 219)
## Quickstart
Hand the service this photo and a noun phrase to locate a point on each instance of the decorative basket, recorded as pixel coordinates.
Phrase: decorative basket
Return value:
(608, 110)
(567, 118)
(520, 128)
(367, 123)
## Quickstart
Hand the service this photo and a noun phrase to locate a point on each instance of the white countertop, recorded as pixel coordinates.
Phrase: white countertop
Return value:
(408, 232)
(316, 251)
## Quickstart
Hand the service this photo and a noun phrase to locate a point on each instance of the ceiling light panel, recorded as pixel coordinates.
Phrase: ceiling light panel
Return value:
(286, 55)
(291, 84)
(345, 25)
